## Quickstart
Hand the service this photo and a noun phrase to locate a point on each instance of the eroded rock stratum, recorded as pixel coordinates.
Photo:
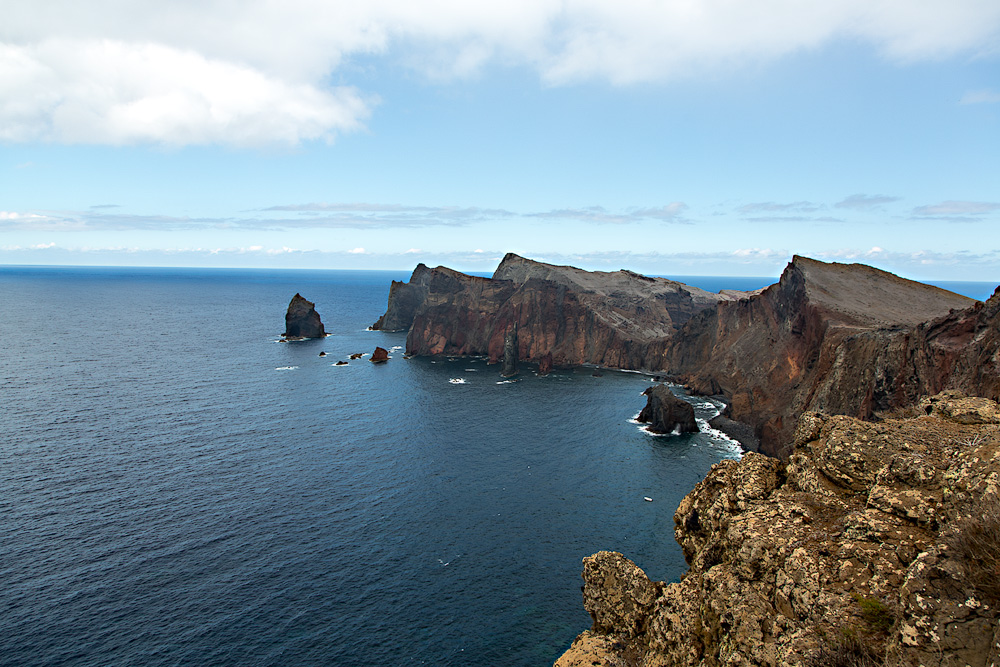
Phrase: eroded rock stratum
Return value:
(876, 539)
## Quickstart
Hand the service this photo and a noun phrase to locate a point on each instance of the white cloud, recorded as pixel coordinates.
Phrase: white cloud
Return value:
(985, 96)
(865, 202)
(113, 92)
(673, 212)
(957, 208)
(187, 72)
(357, 251)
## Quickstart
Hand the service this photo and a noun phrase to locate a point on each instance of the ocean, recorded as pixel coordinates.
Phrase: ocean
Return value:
(179, 488)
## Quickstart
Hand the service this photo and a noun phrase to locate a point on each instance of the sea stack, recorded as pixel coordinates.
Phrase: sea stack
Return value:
(509, 366)
(302, 320)
(379, 356)
(665, 413)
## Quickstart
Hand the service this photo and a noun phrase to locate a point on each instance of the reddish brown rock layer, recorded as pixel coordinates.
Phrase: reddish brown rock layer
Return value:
(563, 316)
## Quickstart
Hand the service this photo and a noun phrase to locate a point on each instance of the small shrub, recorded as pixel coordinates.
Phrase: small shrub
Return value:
(858, 645)
(975, 543)
(851, 649)
(876, 614)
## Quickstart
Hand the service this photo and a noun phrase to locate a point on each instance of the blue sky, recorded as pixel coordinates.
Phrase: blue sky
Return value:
(713, 137)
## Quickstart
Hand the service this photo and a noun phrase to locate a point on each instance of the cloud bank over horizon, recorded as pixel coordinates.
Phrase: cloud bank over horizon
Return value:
(185, 73)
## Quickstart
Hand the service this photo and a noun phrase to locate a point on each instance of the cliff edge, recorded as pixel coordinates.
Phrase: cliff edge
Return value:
(874, 544)
(836, 338)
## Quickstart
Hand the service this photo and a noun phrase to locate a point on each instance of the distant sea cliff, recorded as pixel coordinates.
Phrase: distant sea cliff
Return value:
(837, 338)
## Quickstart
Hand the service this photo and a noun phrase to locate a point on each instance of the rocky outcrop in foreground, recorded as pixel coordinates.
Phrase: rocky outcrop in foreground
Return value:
(840, 339)
(876, 543)
(302, 320)
(665, 413)
(563, 316)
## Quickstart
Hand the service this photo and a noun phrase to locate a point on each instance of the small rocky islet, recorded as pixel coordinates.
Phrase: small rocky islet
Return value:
(302, 321)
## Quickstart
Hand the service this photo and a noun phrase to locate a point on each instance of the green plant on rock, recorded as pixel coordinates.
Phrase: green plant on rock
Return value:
(858, 645)
(876, 614)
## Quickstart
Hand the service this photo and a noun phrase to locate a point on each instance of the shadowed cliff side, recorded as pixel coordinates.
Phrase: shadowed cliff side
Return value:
(563, 316)
(877, 542)
(839, 338)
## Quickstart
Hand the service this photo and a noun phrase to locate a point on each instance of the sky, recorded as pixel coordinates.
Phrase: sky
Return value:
(669, 137)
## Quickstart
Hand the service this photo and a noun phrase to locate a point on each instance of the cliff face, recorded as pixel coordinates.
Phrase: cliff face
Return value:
(837, 338)
(842, 339)
(875, 540)
(563, 316)
(405, 298)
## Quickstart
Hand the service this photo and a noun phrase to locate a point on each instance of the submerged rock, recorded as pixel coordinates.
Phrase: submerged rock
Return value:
(302, 320)
(665, 413)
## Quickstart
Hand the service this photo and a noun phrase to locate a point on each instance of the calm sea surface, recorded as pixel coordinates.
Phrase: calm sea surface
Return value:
(178, 488)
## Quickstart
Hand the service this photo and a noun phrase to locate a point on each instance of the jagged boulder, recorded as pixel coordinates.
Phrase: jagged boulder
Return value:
(876, 539)
(379, 355)
(302, 320)
(665, 413)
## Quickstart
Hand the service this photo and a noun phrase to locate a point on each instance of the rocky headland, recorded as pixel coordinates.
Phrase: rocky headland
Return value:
(302, 320)
(563, 316)
(874, 544)
(838, 338)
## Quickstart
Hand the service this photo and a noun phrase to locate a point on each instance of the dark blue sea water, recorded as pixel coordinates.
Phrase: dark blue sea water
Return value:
(178, 488)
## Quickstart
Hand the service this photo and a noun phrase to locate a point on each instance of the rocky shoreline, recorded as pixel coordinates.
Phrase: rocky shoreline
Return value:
(860, 537)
